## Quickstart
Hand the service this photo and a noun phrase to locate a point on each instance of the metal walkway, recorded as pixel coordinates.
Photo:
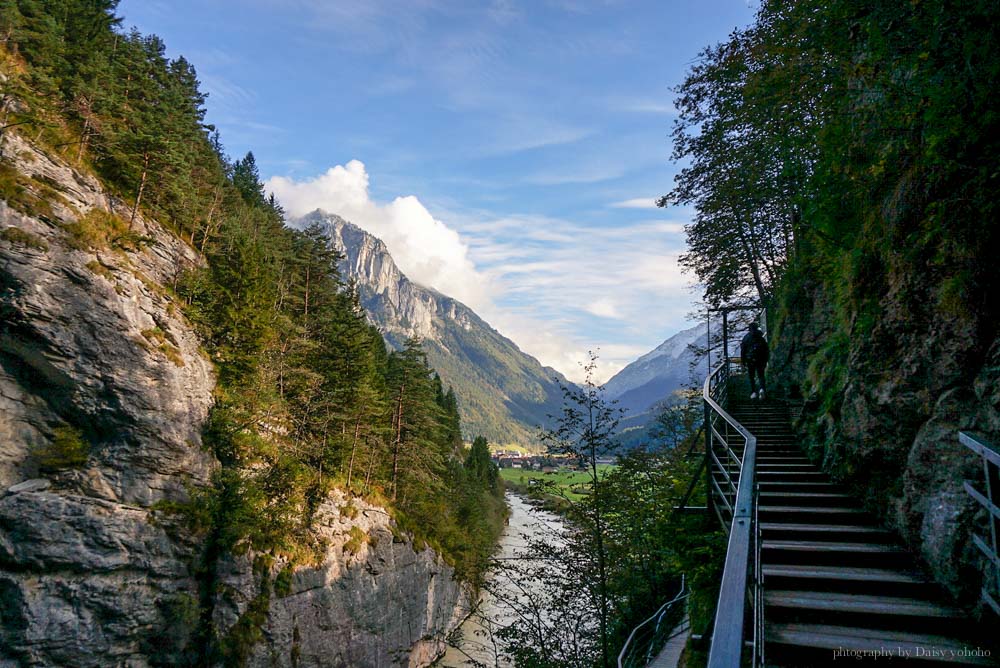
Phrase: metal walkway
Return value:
(670, 655)
(835, 584)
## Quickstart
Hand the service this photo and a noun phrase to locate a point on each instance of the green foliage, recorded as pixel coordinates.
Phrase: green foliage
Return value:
(24, 194)
(307, 397)
(95, 230)
(235, 648)
(164, 343)
(101, 270)
(349, 510)
(16, 235)
(478, 464)
(67, 449)
(357, 540)
(283, 581)
(624, 552)
(172, 642)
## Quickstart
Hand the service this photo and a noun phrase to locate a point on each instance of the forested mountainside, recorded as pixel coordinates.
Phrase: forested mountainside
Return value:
(503, 394)
(844, 169)
(208, 453)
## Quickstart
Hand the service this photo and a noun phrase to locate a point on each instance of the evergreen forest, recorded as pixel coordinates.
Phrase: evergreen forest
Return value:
(308, 398)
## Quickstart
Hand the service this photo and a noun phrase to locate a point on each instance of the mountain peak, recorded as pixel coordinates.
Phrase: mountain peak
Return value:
(657, 374)
(504, 394)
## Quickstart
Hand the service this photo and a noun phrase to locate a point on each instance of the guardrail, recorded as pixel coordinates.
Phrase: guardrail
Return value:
(648, 638)
(989, 499)
(731, 454)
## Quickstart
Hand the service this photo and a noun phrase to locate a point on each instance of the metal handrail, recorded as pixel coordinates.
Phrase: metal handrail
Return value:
(990, 545)
(740, 575)
(624, 658)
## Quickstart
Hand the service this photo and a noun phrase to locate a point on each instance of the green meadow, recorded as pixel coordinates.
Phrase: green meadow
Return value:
(565, 482)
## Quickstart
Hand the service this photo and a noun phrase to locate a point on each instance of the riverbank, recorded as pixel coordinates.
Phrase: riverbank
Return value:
(475, 644)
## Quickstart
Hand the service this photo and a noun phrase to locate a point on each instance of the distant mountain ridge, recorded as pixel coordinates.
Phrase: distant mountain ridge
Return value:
(504, 394)
(652, 378)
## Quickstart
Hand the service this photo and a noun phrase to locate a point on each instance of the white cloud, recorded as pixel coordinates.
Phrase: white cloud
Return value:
(426, 250)
(603, 308)
(548, 272)
(648, 107)
(556, 287)
(635, 203)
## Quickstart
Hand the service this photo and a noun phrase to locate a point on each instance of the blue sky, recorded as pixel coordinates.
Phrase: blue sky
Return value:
(507, 151)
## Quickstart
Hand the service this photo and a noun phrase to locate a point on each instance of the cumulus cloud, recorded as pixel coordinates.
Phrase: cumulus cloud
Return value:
(556, 287)
(426, 250)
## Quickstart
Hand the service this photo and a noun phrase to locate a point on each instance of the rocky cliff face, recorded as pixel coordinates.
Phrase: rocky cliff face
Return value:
(884, 401)
(83, 559)
(374, 601)
(103, 393)
(504, 394)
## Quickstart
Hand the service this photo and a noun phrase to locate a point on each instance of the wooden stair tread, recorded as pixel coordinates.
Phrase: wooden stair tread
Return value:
(831, 528)
(830, 546)
(811, 509)
(914, 645)
(805, 496)
(842, 573)
(860, 603)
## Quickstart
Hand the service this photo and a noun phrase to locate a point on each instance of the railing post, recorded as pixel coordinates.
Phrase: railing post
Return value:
(709, 493)
(725, 337)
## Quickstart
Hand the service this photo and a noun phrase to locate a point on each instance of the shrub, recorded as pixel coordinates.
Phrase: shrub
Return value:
(349, 510)
(165, 344)
(16, 235)
(283, 582)
(358, 539)
(68, 449)
(101, 270)
(15, 190)
(95, 229)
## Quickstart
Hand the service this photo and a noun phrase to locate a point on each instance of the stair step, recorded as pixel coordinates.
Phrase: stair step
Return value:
(821, 514)
(799, 531)
(830, 546)
(814, 476)
(806, 466)
(832, 553)
(880, 581)
(778, 486)
(779, 458)
(860, 603)
(910, 646)
(818, 499)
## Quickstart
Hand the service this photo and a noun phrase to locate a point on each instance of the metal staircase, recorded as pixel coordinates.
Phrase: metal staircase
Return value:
(834, 581)
(810, 576)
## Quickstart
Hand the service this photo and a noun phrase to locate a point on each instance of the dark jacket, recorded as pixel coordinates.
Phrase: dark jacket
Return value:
(753, 348)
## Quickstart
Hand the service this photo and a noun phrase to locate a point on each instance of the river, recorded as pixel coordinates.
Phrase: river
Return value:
(476, 642)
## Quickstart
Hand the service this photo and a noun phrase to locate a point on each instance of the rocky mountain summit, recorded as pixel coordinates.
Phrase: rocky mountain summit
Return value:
(653, 377)
(504, 393)
(104, 390)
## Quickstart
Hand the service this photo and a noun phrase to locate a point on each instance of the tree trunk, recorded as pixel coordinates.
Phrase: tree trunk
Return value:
(142, 186)
(354, 449)
(397, 439)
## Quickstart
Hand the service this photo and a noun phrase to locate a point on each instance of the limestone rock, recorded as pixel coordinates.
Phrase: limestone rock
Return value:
(885, 420)
(95, 349)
